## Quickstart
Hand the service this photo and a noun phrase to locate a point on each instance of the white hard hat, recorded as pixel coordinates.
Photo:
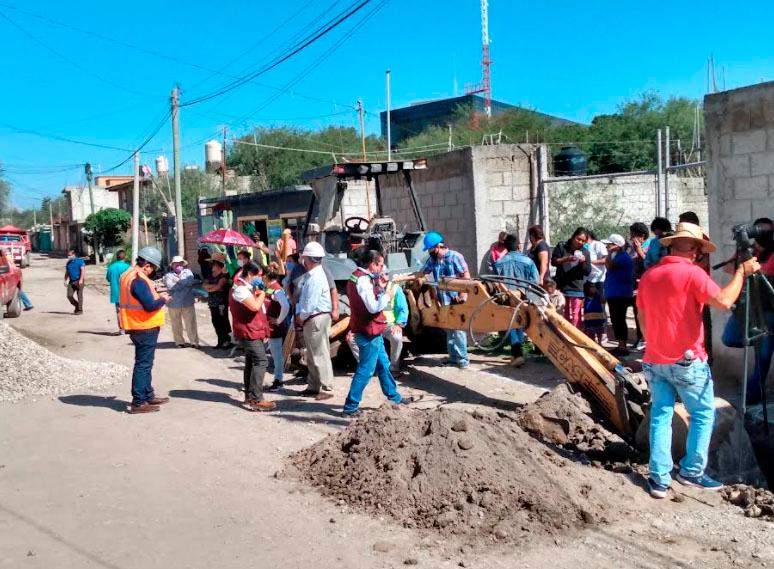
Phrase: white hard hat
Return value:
(178, 259)
(313, 249)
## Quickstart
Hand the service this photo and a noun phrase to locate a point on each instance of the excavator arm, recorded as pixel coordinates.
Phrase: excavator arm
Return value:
(491, 306)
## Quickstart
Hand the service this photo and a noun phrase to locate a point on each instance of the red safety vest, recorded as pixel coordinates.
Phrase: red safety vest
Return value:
(246, 323)
(361, 321)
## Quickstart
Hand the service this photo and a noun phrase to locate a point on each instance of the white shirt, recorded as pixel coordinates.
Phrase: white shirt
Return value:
(315, 294)
(365, 290)
(241, 293)
(280, 296)
(597, 250)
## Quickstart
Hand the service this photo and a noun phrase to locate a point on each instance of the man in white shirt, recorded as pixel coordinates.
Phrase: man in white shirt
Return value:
(313, 314)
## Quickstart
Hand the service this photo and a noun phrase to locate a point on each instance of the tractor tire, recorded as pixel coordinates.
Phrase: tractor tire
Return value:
(14, 308)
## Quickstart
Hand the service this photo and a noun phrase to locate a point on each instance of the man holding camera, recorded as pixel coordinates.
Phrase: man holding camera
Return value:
(670, 300)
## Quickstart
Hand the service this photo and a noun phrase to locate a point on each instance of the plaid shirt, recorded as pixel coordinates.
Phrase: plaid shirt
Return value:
(452, 264)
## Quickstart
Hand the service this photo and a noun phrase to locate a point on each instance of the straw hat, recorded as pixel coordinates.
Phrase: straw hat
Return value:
(690, 231)
(178, 260)
(217, 257)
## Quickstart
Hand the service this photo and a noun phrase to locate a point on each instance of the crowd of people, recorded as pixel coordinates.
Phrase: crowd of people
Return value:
(660, 273)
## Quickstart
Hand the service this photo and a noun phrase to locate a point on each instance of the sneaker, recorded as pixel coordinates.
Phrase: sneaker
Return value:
(307, 393)
(405, 400)
(638, 345)
(657, 490)
(326, 388)
(463, 364)
(703, 481)
(28, 308)
(275, 386)
(353, 415)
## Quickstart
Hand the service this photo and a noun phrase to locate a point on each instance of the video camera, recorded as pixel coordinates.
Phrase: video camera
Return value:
(744, 233)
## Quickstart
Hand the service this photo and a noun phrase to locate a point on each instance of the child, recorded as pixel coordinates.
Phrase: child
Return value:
(555, 297)
(594, 317)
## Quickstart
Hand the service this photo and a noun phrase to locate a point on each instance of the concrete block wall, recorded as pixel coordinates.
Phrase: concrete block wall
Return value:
(620, 201)
(445, 192)
(502, 198)
(739, 130)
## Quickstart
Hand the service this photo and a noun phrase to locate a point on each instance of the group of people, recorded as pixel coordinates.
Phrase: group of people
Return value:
(588, 278)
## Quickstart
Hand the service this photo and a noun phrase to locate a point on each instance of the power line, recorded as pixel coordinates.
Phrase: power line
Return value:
(68, 60)
(60, 138)
(147, 140)
(315, 63)
(309, 40)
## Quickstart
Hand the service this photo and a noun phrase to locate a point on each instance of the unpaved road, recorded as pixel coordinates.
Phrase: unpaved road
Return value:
(85, 485)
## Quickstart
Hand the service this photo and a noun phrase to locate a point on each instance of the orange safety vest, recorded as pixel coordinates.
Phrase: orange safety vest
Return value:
(130, 312)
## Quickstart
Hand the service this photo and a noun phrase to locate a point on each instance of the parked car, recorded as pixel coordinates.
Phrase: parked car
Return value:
(10, 287)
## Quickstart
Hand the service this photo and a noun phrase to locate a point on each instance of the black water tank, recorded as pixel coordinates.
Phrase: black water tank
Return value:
(570, 161)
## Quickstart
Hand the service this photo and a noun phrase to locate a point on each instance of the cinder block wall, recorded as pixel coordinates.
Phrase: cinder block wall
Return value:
(622, 201)
(445, 192)
(739, 127)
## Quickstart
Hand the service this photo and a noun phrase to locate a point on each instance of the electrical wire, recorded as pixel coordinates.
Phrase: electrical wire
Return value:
(60, 138)
(147, 140)
(70, 61)
(269, 66)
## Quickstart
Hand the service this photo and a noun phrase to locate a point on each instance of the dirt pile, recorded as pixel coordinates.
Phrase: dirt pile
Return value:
(29, 369)
(472, 475)
(756, 502)
(565, 418)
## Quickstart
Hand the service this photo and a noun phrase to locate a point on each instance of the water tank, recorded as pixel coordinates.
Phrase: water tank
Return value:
(212, 156)
(162, 166)
(570, 161)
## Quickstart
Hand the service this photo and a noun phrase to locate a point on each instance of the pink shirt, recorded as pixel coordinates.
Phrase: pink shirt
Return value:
(497, 252)
(672, 295)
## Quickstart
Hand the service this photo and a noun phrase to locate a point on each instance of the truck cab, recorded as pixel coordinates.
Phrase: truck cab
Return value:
(10, 287)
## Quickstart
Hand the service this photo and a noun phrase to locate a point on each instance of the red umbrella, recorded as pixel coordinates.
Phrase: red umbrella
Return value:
(227, 237)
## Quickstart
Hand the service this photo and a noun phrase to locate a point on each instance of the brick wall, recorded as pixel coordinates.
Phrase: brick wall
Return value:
(739, 128)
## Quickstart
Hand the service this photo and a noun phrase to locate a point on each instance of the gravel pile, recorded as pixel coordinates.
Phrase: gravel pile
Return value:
(29, 369)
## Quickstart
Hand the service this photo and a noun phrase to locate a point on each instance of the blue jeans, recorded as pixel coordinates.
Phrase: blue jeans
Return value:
(275, 349)
(693, 383)
(457, 346)
(144, 351)
(25, 300)
(373, 359)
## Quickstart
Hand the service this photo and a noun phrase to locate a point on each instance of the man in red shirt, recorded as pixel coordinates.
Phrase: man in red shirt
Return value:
(670, 300)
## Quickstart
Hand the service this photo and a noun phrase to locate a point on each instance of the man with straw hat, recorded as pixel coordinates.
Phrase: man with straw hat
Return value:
(671, 297)
(180, 283)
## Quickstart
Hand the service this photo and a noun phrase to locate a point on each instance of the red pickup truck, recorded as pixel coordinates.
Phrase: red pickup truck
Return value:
(10, 287)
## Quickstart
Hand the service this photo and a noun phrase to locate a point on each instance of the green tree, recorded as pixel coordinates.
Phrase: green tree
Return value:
(278, 166)
(108, 226)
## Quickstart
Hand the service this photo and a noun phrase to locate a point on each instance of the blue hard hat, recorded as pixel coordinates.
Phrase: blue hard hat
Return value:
(432, 238)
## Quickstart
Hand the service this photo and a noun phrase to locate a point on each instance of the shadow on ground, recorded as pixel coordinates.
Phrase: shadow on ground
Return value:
(105, 401)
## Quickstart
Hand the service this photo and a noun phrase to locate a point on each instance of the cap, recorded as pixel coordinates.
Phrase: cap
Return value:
(615, 239)
(313, 249)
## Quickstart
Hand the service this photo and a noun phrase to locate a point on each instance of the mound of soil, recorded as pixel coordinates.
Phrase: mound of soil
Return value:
(756, 502)
(467, 474)
(565, 418)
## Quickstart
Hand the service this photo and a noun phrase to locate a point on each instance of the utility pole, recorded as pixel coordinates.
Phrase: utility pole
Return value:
(223, 163)
(34, 216)
(451, 144)
(667, 148)
(89, 177)
(362, 128)
(179, 233)
(51, 221)
(658, 173)
(389, 134)
(136, 207)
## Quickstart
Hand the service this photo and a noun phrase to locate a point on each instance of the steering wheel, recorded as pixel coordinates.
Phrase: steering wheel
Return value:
(357, 224)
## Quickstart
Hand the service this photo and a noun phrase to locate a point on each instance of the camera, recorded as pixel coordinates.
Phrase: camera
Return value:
(744, 233)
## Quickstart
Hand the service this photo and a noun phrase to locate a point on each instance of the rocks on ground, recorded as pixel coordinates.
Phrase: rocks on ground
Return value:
(756, 502)
(473, 475)
(29, 369)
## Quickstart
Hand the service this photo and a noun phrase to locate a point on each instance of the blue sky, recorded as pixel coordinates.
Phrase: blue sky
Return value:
(572, 59)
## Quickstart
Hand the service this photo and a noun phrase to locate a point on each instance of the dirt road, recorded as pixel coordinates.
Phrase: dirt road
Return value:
(85, 485)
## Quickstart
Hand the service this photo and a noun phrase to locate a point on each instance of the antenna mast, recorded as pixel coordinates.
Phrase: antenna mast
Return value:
(486, 82)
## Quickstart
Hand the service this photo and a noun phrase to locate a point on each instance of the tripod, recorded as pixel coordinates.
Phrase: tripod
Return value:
(753, 335)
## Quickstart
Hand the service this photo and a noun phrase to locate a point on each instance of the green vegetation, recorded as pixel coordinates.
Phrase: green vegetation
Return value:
(108, 226)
